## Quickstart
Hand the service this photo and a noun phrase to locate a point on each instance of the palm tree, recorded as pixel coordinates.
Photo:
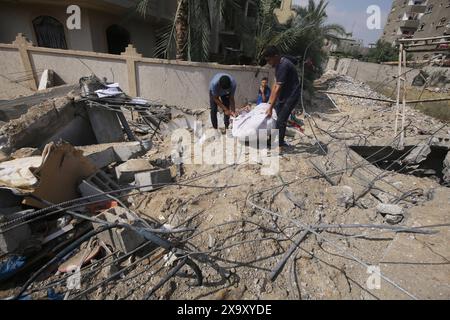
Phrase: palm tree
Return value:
(307, 25)
(190, 26)
(314, 16)
(189, 33)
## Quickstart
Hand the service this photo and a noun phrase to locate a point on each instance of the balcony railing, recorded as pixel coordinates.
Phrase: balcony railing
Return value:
(409, 24)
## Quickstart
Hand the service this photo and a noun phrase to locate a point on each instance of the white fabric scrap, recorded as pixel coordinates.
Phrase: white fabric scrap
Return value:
(247, 125)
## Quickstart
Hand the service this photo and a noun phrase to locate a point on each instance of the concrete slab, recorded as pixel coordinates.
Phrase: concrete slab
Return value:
(12, 240)
(124, 240)
(102, 158)
(156, 177)
(47, 80)
(88, 189)
(13, 109)
(103, 155)
(420, 263)
(78, 133)
(127, 151)
(106, 125)
(126, 171)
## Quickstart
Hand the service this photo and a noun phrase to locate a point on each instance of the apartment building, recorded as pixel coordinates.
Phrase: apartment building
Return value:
(418, 19)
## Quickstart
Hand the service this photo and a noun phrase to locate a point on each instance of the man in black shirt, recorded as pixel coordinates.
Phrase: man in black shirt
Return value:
(286, 92)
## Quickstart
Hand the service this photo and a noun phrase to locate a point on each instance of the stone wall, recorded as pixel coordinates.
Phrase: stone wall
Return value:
(177, 83)
(377, 73)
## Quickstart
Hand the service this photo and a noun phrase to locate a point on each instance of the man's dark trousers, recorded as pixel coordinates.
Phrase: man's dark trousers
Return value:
(284, 110)
(214, 109)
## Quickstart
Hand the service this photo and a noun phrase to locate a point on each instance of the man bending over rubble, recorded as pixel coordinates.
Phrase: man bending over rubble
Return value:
(286, 91)
(221, 94)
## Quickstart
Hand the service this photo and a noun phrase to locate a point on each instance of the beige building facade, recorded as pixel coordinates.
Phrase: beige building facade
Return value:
(285, 12)
(107, 26)
(418, 19)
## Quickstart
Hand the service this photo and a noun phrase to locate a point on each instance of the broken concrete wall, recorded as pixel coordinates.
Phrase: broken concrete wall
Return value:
(13, 109)
(43, 122)
(368, 72)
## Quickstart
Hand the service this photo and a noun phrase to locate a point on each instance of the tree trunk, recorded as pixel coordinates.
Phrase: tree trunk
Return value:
(181, 27)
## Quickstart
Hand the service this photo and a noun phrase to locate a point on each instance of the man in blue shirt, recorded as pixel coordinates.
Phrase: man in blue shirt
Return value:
(264, 92)
(286, 92)
(222, 90)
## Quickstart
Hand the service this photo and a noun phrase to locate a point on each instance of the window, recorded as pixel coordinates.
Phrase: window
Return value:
(252, 10)
(49, 32)
(118, 39)
(229, 16)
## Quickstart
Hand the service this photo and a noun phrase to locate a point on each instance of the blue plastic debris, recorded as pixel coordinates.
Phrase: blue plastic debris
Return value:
(52, 295)
(9, 267)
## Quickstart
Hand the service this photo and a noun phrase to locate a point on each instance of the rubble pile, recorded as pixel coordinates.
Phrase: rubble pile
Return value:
(68, 166)
(121, 218)
(348, 85)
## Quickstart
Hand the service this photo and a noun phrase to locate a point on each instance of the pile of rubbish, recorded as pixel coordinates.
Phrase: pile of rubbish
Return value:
(67, 169)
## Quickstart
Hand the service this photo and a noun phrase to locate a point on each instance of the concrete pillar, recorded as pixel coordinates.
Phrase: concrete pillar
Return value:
(131, 55)
(22, 45)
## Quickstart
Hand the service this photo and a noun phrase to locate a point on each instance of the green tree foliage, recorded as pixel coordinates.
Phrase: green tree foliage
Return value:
(382, 52)
(188, 36)
(302, 37)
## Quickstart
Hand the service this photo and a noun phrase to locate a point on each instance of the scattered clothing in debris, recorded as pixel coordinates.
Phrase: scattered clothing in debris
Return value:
(10, 266)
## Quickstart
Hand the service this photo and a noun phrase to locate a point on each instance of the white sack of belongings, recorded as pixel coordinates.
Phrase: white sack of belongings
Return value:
(246, 126)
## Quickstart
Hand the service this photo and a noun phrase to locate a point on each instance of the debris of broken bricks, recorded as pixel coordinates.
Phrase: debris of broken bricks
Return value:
(124, 240)
(394, 214)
